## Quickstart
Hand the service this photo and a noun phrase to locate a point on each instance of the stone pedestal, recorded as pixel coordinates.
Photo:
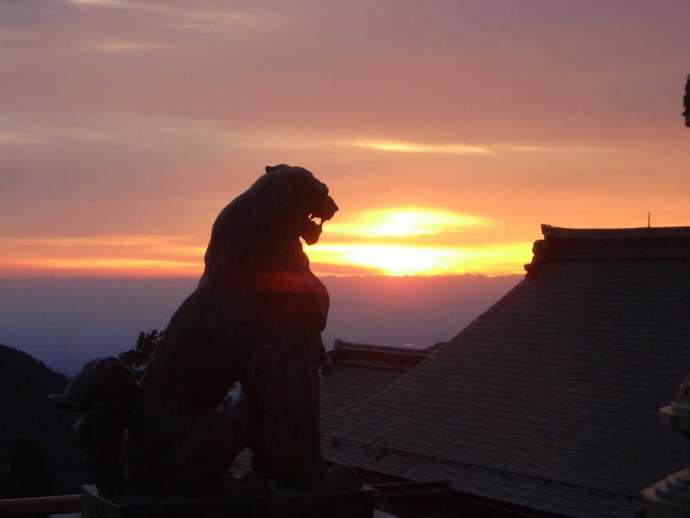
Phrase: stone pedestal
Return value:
(356, 503)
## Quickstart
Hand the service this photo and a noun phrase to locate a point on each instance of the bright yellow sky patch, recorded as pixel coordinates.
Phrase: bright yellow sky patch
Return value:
(389, 241)
(491, 259)
(405, 256)
(404, 222)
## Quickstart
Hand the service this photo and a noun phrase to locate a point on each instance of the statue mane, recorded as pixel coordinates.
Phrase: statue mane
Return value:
(259, 231)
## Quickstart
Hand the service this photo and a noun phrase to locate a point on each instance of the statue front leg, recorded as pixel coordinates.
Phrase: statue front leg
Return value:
(282, 392)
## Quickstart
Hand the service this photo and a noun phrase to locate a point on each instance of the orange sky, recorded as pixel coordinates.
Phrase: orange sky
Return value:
(447, 131)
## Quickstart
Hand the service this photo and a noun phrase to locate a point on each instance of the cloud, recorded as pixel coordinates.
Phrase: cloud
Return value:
(132, 130)
(394, 146)
(149, 255)
(130, 240)
(147, 131)
(117, 4)
(193, 19)
(99, 266)
(565, 148)
(113, 128)
(219, 22)
(129, 46)
(8, 138)
(416, 147)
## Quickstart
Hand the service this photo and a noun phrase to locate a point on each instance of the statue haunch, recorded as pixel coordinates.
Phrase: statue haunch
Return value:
(255, 318)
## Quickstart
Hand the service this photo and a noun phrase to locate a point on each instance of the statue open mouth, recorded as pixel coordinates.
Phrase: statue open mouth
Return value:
(313, 224)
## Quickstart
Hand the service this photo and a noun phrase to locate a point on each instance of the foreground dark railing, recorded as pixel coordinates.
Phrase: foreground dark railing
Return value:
(387, 496)
(43, 504)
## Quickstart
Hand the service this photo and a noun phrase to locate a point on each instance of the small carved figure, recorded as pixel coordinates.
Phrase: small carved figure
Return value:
(105, 393)
(255, 318)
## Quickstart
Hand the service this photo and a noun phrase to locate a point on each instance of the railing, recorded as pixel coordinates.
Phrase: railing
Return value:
(43, 504)
(64, 504)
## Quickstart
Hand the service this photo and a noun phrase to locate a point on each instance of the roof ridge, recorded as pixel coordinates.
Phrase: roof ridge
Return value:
(614, 232)
(656, 243)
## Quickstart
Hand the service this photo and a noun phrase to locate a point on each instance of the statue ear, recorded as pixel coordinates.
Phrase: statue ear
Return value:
(272, 168)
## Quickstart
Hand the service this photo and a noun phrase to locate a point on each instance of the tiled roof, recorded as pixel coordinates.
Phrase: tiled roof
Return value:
(549, 399)
(362, 370)
(345, 385)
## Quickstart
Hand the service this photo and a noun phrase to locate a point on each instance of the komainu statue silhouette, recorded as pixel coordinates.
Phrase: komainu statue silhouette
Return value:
(255, 318)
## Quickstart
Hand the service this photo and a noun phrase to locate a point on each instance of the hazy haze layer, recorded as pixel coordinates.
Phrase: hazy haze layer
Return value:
(66, 322)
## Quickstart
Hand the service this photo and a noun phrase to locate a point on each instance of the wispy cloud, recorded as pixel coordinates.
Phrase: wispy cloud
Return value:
(100, 266)
(155, 131)
(117, 4)
(457, 148)
(23, 131)
(416, 147)
(18, 129)
(114, 240)
(565, 148)
(191, 18)
(149, 255)
(126, 46)
(149, 132)
(8, 138)
(219, 22)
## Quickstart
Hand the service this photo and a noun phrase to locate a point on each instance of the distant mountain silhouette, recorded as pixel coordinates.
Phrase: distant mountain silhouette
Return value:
(37, 455)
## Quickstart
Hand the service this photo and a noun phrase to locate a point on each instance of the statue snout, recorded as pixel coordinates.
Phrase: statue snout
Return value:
(330, 208)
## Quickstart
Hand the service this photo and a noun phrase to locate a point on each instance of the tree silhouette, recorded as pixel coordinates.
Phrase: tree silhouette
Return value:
(686, 102)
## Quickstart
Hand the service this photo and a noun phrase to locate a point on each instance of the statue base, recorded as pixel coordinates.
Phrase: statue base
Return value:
(353, 503)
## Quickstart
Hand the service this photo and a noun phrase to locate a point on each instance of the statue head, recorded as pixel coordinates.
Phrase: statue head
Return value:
(260, 230)
(304, 202)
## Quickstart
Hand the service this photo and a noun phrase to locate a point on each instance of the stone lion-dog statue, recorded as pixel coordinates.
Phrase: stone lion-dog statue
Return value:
(255, 318)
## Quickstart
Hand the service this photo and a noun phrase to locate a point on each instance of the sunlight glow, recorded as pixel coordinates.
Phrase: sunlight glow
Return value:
(405, 221)
(388, 241)
(490, 259)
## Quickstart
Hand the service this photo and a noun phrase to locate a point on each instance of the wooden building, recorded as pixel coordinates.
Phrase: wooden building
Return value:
(545, 405)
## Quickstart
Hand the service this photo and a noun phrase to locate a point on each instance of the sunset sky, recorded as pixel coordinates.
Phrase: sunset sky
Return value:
(447, 131)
